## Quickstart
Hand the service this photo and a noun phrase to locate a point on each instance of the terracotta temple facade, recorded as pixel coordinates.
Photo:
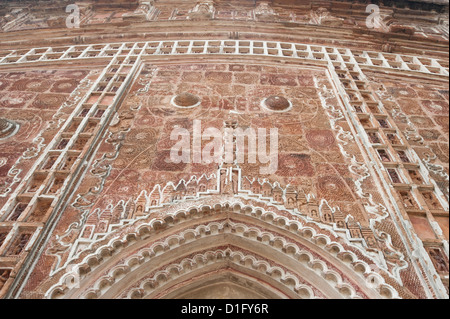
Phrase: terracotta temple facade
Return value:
(92, 206)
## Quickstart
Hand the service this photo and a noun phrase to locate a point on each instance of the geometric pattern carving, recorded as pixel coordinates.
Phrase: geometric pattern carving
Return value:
(284, 50)
(358, 207)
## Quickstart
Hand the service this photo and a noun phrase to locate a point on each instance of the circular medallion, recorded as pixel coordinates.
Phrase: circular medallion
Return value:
(277, 103)
(186, 100)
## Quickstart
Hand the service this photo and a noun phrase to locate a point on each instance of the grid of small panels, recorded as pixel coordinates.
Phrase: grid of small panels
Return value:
(416, 197)
(244, 47)
(42, 192)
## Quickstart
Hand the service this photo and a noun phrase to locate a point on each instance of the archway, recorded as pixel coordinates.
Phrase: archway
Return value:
(252, 252)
